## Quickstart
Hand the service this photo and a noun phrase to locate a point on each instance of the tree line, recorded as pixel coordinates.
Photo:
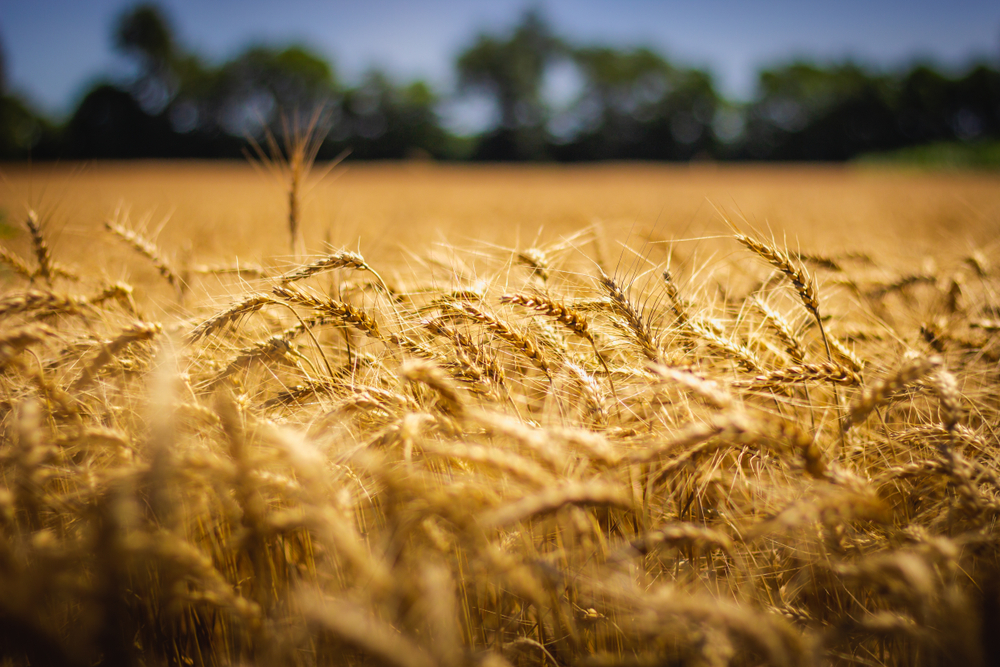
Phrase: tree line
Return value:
(632, 104)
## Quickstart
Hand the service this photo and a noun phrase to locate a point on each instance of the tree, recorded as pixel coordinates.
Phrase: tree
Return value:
(110, 123)
(621, 91)
(144, 32)
(804, 111)
(636, 105)
(380, 119)
(262, 83)
(510, 70)
(23, 132)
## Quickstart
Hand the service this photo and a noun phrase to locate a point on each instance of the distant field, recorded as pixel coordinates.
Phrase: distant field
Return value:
(221, 211)
(499, 417)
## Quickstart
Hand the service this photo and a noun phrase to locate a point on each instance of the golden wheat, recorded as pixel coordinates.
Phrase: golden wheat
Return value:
(340, 474)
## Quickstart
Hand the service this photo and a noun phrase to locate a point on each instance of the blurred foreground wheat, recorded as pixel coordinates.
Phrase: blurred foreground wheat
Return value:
(780, 458)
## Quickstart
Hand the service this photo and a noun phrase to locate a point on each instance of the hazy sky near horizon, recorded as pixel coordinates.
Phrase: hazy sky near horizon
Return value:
(54, 49)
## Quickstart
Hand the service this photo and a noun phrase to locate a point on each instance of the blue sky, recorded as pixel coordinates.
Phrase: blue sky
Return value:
(55, 48)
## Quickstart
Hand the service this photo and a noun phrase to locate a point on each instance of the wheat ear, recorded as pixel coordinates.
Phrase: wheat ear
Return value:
(550, 500)
(636, 324)
(345, 312)
(49, 303)
(572, 319)
(358, 629)
(986, 325)
(818, 259)
(795, 272)
(569, 318)
(500, 459)
(274, 349)
(782, 329)
(147, 249)
(299, 393)
(502, 330)
(536, 260)
(744, 356)
(42, 253)
(14, 341)
(677, 303)
(237, 310)
(704, 388)
(343, 259)
(946, 386)
(241, 269)
(425, 372)
(138, 332)
(824, 372)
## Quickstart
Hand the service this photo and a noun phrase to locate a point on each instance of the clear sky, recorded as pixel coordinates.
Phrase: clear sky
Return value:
(54, 48)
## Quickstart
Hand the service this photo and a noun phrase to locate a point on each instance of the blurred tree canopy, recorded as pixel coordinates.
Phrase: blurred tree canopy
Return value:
(511, 70)
(637, 105)
(625, 103)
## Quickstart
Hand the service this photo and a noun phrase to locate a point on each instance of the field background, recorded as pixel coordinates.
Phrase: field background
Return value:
(228, 210)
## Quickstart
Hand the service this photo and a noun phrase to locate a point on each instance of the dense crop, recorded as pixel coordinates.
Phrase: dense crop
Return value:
(555, 454)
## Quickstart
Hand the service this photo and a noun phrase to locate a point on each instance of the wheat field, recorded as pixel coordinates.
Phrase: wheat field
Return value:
(606, 415)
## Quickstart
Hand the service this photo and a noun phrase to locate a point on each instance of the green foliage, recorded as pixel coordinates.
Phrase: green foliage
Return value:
(938, 156)
(511, 69)
(145, 32)
(23, 132)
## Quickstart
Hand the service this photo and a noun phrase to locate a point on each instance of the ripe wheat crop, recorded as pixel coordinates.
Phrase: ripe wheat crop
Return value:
(584, 451)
